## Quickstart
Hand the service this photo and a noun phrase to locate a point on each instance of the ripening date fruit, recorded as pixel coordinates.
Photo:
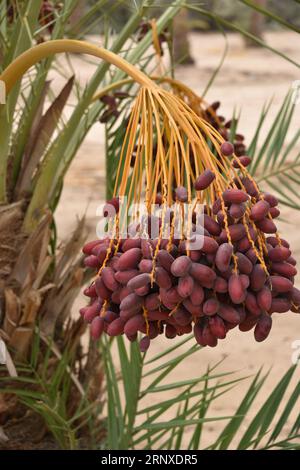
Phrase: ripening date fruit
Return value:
(165, 287)
(204, 180)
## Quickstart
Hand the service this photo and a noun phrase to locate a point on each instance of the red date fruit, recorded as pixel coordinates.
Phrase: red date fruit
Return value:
(204, 180)
(257, 278)
(181, 266)
(236, 289)
(130, 259)
(116, 327)
(263, 327)
(211, 306)
(185, 286)
(264, 299)
(223, 256)
(281, 284)
(97, 327)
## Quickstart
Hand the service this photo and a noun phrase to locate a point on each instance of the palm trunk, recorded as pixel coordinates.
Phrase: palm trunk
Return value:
(256, 25)
(181, 45)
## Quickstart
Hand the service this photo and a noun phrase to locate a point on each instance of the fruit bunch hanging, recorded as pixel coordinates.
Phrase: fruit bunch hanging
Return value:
(216, 260)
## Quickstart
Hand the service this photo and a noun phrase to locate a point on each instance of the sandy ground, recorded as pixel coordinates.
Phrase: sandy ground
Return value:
(248, 79)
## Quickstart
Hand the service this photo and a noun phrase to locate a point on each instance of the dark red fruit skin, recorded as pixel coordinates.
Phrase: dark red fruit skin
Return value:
(211, 225)
(266, 226)
(221, 285)
(146, 265)
(291, 260)
(203, 274)
(204, 180)
(181, 194)
(101, 290)
(152, 301)
(141, 280)
(272, 200)
(281, 284)
(88, 247)
(97, 327)
(198, 333)
(142, 291)
(242, 313)
(245, 281)
(245, 244)
(244, 264)
(130, 259)
(244, 160)
(90, 291)
(237, 211)
(144, 343)
(227, 149)
(134, 324)
(279, 253)
(157, 315)
(217, 206)
(131, 243)
(108, 278)
(223, 256)
(182, 317)
(294, 295)
(235, 196)
(208, 336)
(236, 289)
(197, 295)
(124, 292)
(130, 301)
(274, 242)
(181, 266)
(236, 232)
(252, 305)
(263, 327)
(210, 246)
(284, 269)
(147, 249)
(248, 323)
(123, 277)
(195, 310)
(259, 210)
(116, 327)
(185, 286)
(91, 311)
(251, 255)
(170, 332)
(110, 316)
(264, 299)
(229, 314)
(165, 259)
(162, 278)
(172, 294)
(257, 278)
(280, 305)
(274, 212)
(92, 261)
(217, 327)
(211, 306)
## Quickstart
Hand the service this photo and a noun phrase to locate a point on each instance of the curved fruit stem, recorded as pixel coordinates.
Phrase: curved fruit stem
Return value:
(21, 64)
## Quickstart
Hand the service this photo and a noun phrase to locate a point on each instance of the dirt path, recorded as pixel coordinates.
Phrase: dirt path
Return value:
(247, 80)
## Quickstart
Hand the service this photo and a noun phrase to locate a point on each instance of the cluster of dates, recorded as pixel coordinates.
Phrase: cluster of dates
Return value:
(238, 278)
